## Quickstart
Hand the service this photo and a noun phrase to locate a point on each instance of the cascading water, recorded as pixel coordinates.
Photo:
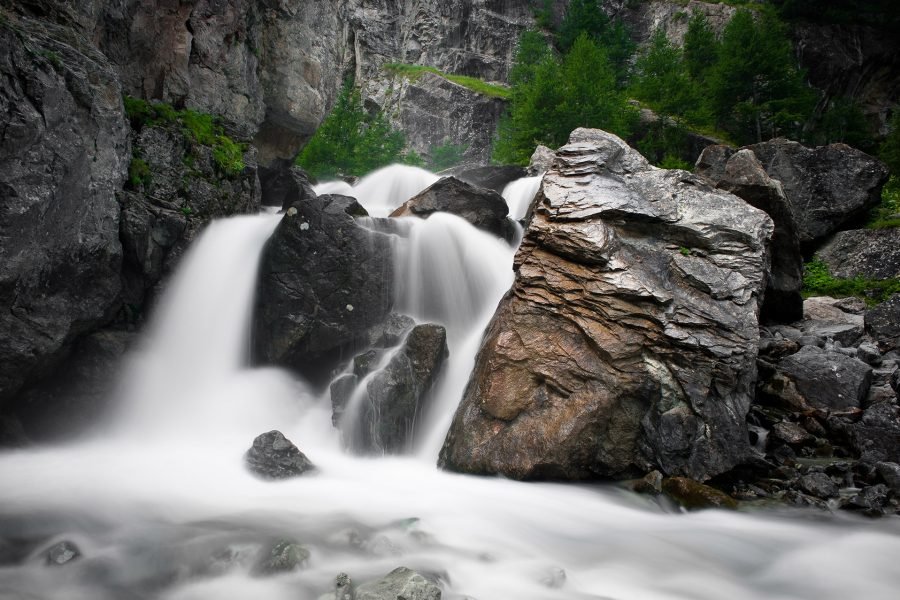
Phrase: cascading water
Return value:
(163, 507)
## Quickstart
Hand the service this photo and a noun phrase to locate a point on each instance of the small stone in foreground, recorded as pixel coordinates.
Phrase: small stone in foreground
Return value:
(693, 495)
(62, 553)
(283, 557)
(399, 583)
(273, 456)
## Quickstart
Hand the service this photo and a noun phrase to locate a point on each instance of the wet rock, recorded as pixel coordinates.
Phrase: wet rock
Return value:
(485, 209)
(824, 379)
(61, 554)
(819, 485)
(616, 352)
(876, 437)
(282, 557)
(791, 433)
(866, 253)
(828, 187)
(869, 354)
(397, 395)
(694, 495)
(401, 583)
(871, 499)
(365, 363)
(741, 173)
(651, 483)
(324, 282)
(282, 184)
(343, 589)
(389, 332)
(273, 456)
(890, 473)
(883, 324)
(341, 390)
(63, 154)
(554, 579)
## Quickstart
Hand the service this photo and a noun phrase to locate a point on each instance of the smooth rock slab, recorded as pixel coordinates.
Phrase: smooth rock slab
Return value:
(273, 456)
(399, 584)
(629, 338)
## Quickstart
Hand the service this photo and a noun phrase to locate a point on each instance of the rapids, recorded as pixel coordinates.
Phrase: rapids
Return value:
(162, 508)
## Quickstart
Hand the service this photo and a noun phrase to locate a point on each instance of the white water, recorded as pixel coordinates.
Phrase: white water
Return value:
(519, 194)
(152, 504)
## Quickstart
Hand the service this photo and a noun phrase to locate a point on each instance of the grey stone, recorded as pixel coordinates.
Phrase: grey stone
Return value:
(483, 208)
(399, 584)
(827, 380)
(866, 253)
(876, 437)
(283, 556)
(341, 390)
(490, 177)
(890, 473)
(819, 485)
(565, 385)
(273, 456)
(883, 324)
(791, 433)
(542, 160)
(62, 554)
(391, 331)
(869, 353)
(741, 173)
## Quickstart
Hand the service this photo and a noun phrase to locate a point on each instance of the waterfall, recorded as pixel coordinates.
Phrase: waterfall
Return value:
(162, 507)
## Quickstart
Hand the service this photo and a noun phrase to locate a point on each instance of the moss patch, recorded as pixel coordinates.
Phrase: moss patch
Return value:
(818, 281)
(413, 72)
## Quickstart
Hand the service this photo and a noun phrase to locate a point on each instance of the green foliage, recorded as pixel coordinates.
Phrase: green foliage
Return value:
(531, 50)
(701, 48)
(889, 151)
(581, 17)
(413, 72)
(661, 78)
(756, 90)
(53, 58)
(201, 128)
(187, 210)
(672, 161)
(543, 13)
(885, 215)
(350, 141)
(447, 155)
(845, 122)
(684, 251)
(139, 173)
(818, 281)
(558, 95)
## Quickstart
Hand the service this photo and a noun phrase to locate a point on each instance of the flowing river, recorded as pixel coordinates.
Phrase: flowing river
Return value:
(161, 507)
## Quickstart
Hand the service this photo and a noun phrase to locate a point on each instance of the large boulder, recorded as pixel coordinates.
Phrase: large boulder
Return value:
(867, 253)
(491, 177)
(741, 173)
(63, 154)
(396, 396)
(324, 281)
(485, 209)
(629, 338)
(823, 379)
(829, 187)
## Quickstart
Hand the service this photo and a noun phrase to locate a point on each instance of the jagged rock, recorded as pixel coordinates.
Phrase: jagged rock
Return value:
(694, 495)
(282, 557)
(388, 333)
(826, 379)
(883, 324)
(542, 160)
(890, 472)
(397, 394)
(343, 589)
(273, 456)
(740, 173)
(61, 554)
(63, 154)
(365, 363)
(867, 253)
(401, 583)
(628, 340)
(819, 485)
(828, 187)
(824, 319)
(485, 209)
(791, 433)
(324, 281)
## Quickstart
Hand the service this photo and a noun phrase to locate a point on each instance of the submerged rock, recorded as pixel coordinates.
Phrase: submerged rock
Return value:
(399, 584)
(629, 338)
(485, 209)
(324, 282)
(273, 456)
(282, 557)
(397, 395)
(694, 495)
(62, 553)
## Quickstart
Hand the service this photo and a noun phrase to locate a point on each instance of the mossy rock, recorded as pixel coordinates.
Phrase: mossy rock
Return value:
(694, 495)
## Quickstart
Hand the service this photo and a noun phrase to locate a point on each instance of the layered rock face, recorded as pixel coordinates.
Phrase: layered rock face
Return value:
(62, 158)
(628, 341)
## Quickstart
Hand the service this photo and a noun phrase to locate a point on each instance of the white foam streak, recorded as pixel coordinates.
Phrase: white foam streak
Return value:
(519, 194)
(384, 190)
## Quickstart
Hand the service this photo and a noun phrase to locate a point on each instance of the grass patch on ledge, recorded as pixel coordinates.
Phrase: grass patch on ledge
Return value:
(885, 215)
(818, 281)
(413, 72)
